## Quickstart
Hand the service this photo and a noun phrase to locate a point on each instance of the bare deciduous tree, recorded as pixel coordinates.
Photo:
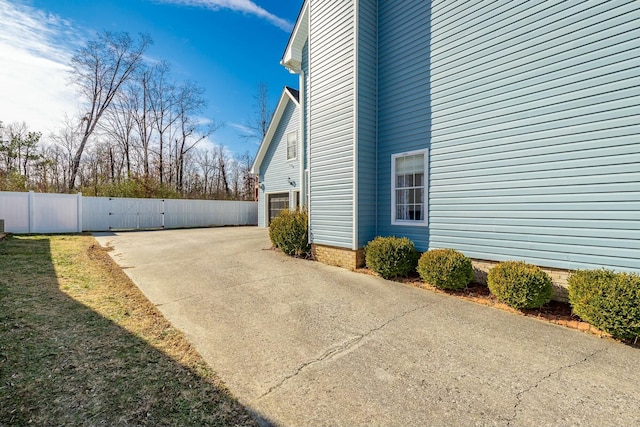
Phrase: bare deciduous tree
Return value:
(119, 124)
(221, 182)
(99, 70)
(162, 104)
(248, 179)
(206, 162)
(67, 139)
(258, 124)
(139, 136)
(189, 102)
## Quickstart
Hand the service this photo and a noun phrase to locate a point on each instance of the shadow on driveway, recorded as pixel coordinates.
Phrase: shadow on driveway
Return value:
(308, 344)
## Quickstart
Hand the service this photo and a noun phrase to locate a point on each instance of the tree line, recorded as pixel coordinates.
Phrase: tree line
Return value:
(139, 134)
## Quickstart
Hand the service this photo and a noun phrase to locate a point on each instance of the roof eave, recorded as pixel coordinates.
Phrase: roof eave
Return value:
(292, 57)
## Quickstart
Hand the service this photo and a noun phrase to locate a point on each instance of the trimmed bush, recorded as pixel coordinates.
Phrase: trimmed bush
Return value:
(609, 301)
(520, 285)
(445, 269)
(288, 232)
(391, 256)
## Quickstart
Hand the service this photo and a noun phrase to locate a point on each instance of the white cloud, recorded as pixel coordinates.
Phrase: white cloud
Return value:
(35, 47)
(242, 128)
(244, 6)
(247, 134)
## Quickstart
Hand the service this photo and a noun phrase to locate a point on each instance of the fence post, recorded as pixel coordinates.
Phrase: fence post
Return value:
(163, 214)
(31, 213)
(79, 204)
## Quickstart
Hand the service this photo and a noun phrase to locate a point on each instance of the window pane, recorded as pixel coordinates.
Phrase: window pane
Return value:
(408, 180)
(419, 212)
(409, 187)
(410, 164)
(291, 145)
(402, 197)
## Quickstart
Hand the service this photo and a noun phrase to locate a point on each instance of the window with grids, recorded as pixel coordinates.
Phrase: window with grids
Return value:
(292, 144)
(409, 171)
(277, 203)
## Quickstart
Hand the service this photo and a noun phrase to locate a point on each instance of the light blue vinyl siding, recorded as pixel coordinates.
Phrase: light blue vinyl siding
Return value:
(367, 135)
(535, 149)
(404, 114)
(275, 169)
(332, 121)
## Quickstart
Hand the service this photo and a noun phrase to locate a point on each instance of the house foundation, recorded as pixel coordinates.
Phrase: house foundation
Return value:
(340, 257)
(558, 277)
(350, 259)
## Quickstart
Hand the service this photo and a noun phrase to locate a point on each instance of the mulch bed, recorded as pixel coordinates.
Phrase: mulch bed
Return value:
(557, 312)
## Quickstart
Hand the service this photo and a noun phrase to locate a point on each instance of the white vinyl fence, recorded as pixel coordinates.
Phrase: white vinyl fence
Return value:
(69, 213)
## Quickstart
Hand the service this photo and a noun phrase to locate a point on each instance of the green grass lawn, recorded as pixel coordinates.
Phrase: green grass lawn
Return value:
(81, 345)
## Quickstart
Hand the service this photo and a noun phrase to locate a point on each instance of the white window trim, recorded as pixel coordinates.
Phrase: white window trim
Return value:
(295, 133)
(415, 223)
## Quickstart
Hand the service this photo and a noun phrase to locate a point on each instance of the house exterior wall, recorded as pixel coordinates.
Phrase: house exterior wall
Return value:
(528, 110)
(332, 121)
(275, 168)
(367, 80)
(534, 145)
(404, 115)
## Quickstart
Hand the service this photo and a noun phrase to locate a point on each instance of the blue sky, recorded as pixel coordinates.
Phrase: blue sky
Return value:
(226, 46)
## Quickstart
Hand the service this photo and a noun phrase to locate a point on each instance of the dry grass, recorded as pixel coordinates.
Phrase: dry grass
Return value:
(80, 345)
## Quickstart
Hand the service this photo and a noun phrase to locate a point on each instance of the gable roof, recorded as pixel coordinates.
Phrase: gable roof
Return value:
(288, 94)
(292, 57)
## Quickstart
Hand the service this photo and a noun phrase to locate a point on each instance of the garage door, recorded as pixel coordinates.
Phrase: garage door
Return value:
(277, 202)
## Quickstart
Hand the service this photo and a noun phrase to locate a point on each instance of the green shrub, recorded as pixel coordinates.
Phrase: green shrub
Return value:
(288, 232)
(609, 301)
(520, 285)
(391, 256)
(445, 269)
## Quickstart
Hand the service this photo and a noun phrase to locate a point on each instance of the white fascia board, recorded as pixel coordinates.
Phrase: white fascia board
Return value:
(292, 58)
(273, 125)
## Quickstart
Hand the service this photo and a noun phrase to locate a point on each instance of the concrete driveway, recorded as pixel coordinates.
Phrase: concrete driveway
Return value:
(305, 344)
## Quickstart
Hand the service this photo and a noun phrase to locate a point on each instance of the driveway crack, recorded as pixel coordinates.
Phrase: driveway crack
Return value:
(520, 394)
(173, 301)
(337, 350)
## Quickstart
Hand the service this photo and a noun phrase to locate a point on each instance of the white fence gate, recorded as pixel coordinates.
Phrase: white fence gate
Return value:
(68, 213)
(124, 214)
